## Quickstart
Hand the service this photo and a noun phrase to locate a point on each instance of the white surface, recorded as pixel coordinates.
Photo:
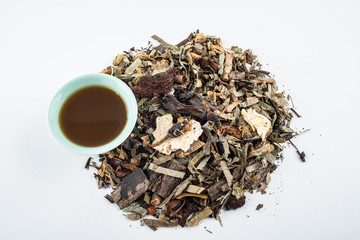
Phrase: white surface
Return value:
(312, 47)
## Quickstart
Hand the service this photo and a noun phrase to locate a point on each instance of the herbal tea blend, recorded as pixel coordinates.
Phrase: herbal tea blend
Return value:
(210, 127)
(88, 119)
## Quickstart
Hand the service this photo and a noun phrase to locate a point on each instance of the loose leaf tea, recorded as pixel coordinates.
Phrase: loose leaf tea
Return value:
(210, 127)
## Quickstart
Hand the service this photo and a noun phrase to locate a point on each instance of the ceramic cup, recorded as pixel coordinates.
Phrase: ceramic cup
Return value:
(96, 79)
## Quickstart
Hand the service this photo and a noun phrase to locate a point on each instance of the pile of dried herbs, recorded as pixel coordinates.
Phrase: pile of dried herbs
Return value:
(209, 128)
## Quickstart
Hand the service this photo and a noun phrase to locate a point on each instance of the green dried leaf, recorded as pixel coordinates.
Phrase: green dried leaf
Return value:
(203, 163)
(222, 198)
(266, 106)
(281, 102)
(237, 50)
(161, 111)
(136, 80)
(198, 47)
(286, 129)
(147, 198)
(254, 167)
(135, 208)
(165, 44)
(150, 131)
(237, 190)
(142, 101)
(133, 66)
(270, 158)
(194, 160)
(133, 216)
(154, 223)
(257, 94)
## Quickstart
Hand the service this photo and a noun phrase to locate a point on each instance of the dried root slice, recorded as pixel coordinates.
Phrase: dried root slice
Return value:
(257, 122)
(183, 142)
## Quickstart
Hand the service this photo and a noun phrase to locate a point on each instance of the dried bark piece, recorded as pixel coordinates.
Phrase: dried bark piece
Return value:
(162, 184)
(177, 190)
(215, 190)
(257, 122)
(131, 188)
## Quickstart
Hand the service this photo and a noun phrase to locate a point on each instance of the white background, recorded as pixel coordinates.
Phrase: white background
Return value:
(312, 47)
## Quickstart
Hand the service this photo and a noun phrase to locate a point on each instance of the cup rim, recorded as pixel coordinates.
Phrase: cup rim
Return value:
(87, 80)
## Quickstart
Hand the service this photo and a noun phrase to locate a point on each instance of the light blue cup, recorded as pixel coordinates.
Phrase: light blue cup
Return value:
(96, 79)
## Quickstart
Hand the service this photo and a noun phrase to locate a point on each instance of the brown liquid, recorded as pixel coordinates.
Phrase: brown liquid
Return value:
(93, 116)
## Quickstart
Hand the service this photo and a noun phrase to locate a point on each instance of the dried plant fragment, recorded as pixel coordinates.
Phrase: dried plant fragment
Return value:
(259, 206)
(183, 142)
(228, 66)
(161, 84)
(257, 122)
(135, 208)
(166, 171)
(154, 223)
(203, 196)
(266, 148)
(194, 189)
(227, 173)
(199, 38)
(194, 147)
(118, 59)
(235, 203)
(133, 216)
(199, 217)
(132, 187)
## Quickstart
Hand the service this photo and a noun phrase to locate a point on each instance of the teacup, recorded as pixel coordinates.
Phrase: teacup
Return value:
(81, 82)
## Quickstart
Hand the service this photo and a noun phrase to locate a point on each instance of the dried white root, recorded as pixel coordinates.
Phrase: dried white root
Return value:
(257, 122)
(183, 142)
